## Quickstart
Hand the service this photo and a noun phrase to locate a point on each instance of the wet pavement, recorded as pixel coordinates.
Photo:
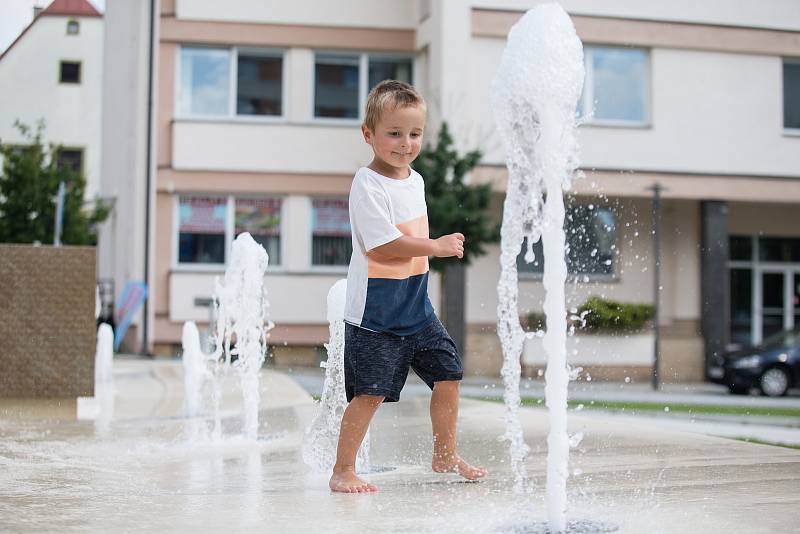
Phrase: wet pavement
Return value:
(134, 468)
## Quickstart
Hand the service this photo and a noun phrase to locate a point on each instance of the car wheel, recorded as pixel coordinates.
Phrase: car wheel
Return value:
(774, 382)
(739, 390)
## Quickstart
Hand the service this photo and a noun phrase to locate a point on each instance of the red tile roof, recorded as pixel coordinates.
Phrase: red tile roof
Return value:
(59, 8)
(70, 8)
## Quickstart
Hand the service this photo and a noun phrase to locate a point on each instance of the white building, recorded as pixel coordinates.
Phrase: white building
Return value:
(257, 128)
(53, 71)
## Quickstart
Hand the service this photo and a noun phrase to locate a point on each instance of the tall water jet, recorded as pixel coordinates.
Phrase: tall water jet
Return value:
(195, 370)
(104, 357)
(241, 319)
(534, 96)
(322, 436)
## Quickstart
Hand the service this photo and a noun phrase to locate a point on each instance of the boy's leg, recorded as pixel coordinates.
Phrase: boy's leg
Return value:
(355, 422)
(444, 415)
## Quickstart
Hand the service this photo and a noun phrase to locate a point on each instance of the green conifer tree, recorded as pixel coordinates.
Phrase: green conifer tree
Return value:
(454, 206)
(28, 187)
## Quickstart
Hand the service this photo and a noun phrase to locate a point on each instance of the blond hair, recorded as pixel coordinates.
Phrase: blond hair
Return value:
(390, 95)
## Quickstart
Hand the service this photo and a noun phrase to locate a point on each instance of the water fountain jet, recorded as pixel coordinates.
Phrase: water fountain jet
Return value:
(534, 96)
(241, 319)
(322, 436)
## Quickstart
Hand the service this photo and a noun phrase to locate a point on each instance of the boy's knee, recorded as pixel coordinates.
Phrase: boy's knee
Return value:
(372, 400)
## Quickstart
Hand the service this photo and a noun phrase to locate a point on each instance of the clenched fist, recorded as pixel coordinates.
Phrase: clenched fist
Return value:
(450, 245)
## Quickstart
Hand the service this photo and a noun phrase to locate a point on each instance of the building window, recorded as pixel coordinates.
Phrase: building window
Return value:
(388, 68)
(201, 229)
(740, 248)
(73, 27)
(70, 158)
(616, 89)
(336, 86)
(331, 241)
(206, 87)
(591, 241)
(207, 225)
(791, 94)
(70, 72)
(342, 81)
(779, 249)
(259, 84)
(262, 218)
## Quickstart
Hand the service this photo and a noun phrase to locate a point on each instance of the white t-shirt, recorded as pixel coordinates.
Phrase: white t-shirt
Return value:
(387, 294)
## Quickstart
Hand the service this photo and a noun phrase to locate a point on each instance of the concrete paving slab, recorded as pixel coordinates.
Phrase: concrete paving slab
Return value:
(140, 472)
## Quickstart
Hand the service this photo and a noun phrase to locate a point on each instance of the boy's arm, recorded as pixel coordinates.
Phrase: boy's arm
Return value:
(410, 247)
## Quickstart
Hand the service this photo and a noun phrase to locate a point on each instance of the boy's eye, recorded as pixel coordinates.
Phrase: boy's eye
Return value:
(414, 135)
(394, 134)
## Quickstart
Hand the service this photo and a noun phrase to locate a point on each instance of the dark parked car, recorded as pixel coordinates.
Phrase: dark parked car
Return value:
(773, 366)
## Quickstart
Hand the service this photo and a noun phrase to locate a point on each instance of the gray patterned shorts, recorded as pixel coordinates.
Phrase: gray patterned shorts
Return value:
(377, 363)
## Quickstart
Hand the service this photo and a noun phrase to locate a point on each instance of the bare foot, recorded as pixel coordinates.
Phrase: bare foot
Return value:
(348, 482)
(456, 464)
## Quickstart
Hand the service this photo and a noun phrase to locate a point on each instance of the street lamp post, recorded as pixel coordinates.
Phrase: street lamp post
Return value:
(657, 189)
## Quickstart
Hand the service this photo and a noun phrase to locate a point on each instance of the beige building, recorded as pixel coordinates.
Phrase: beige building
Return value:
(256, 128)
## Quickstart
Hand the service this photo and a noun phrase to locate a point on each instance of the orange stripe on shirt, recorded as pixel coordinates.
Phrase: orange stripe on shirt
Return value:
(383, 266)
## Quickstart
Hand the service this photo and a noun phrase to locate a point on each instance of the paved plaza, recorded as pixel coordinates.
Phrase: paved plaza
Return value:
(134, 468)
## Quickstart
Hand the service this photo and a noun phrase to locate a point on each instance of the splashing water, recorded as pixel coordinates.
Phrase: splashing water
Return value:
(241, 314)
(533, 97)
(104, 356)
(322, 436)
(195, 371)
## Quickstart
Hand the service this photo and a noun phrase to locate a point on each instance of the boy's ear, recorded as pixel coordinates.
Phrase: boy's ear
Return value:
(367, 134)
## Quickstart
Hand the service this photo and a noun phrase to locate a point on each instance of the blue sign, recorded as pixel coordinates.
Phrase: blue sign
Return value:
(132, 298)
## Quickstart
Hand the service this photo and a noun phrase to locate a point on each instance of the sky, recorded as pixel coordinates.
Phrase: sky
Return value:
(15, 15)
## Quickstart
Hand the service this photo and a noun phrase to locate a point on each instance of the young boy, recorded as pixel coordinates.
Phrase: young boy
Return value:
(391, 325)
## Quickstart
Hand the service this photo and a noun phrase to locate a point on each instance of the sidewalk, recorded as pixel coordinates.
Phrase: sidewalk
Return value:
(137, 470)
(472, 386)
(588, 400)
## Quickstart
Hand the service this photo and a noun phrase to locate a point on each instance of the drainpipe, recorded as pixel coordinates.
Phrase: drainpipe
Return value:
(145, 350)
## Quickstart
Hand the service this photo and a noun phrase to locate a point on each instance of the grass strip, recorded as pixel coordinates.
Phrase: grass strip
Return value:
(633, 407)
(772, 443)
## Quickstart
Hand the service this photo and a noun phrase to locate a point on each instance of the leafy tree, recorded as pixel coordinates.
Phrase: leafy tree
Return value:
(28, 187)
(454, 206)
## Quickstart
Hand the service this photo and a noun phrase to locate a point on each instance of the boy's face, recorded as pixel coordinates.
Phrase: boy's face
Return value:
(397, 138)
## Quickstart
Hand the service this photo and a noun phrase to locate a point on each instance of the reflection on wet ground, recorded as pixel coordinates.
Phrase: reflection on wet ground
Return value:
(137, 469)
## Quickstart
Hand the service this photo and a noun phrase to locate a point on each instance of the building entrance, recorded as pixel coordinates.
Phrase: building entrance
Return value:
(765, 288)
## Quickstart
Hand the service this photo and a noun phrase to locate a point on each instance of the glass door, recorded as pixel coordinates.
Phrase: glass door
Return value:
(796, 299)
(773, 305)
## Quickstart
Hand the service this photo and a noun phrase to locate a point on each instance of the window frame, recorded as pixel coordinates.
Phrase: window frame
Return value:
(81, 150)
(77, 23)
(587, 97)
(787, 132)
(230, 228)
(336, 269)
(233, 72)
(614, 276)
(363, 81)
(61, 64)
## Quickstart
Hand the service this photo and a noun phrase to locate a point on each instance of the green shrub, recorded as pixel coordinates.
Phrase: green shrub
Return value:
(611, 316)
(600, 315)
